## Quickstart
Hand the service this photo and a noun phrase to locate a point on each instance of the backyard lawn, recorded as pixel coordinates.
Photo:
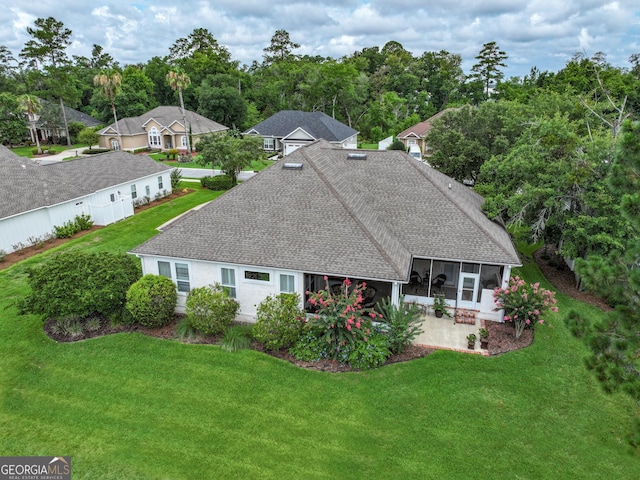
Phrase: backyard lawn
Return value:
(131, 406)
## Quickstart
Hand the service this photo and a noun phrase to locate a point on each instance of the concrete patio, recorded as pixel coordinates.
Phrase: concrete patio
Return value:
(445, 334)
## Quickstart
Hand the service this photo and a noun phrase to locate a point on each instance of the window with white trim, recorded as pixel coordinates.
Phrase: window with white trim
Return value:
(269, 144)
(115, 145)
(147, 190)
(183, 141)
(182, 277)
(154, 138)
(134, 193)
(287, 283)
(164, 269)
(228, 276)
(160, 182)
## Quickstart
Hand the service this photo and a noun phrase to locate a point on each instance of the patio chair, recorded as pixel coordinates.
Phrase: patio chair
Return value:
(438, 282)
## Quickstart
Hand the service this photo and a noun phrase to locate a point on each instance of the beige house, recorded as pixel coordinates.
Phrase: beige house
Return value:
(159, 129)
(416, 134)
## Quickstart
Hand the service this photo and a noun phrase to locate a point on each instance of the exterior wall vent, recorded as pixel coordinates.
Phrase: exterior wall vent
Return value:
(357, 156)
(292, 166)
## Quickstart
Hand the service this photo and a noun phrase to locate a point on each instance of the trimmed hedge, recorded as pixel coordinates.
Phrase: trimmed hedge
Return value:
(77, 284)
(219, 182)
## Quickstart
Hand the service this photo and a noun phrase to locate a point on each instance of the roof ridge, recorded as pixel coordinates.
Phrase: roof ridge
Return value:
(460, 206)
(358, 220)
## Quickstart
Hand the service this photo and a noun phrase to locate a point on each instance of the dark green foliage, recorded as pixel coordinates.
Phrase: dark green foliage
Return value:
(280, 321)
(397, 145)
(210, 310)
(70, 228)
(176, 176)
(151, 301)
(576, 323)
(358, 355)
(401, 324)
(77, 284)
(218, 182)
(83, 221)
(237, 338)
(370, 354)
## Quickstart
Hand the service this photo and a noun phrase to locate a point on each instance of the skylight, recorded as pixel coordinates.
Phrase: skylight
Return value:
(292, 166)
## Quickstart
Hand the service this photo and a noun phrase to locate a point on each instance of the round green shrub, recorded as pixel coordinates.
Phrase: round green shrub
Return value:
(152, 300)
(280, 321)
(218, 182)
(210, 310)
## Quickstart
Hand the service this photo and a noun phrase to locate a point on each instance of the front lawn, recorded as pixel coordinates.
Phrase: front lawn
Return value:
(132, 406)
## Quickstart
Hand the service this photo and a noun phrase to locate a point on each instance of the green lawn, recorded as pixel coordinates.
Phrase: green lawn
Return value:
(28, 151)
(131, 406)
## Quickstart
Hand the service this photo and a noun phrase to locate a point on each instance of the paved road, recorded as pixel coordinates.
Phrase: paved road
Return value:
(186, 172)
(205, 172)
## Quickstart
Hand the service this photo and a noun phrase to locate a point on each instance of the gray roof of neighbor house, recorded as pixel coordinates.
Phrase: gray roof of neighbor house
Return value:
(165, 116)
(363, 218)
(25, 185)
(317, 124)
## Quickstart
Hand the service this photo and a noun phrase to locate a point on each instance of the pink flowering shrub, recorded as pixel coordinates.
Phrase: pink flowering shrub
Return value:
(524, 304)
(340, 320)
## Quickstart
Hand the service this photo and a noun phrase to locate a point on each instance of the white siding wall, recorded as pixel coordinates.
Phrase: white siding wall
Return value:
(249, 293)
(98, 205)
(19, 229)
(351, 142)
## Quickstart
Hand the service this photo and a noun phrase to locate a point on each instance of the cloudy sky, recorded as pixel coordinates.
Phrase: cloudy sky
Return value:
(541, 33)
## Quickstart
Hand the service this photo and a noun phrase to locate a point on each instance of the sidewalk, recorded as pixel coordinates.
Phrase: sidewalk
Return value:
(58, 157)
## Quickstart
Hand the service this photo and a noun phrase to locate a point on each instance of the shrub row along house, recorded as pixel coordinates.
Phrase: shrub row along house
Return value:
(36, 198)
(377, 217)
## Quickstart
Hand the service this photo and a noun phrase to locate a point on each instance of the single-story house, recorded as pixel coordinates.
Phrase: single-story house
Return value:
(377, 217)
(50, 124)
(416, 134)
(289, 130)
(35, 198)
(159, 129)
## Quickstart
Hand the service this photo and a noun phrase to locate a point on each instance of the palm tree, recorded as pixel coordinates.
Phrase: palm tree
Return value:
(30, 104)
(110, 81)
(178, 80)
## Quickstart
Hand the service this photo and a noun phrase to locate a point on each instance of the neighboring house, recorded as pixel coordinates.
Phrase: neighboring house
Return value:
(35, 198)
(289, 130)
(50, 124)
(416, 134)
(375, 216)
(159, 129)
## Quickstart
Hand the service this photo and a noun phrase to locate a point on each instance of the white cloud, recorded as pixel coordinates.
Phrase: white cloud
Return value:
(532, 32)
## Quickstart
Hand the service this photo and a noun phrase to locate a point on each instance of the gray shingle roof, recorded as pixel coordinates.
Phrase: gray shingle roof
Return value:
(25, 185)
(317, 124)
(360, 218)
(165, 116)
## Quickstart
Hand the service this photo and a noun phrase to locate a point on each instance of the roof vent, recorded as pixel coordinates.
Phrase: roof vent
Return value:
(292, 166)
(357, 156)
